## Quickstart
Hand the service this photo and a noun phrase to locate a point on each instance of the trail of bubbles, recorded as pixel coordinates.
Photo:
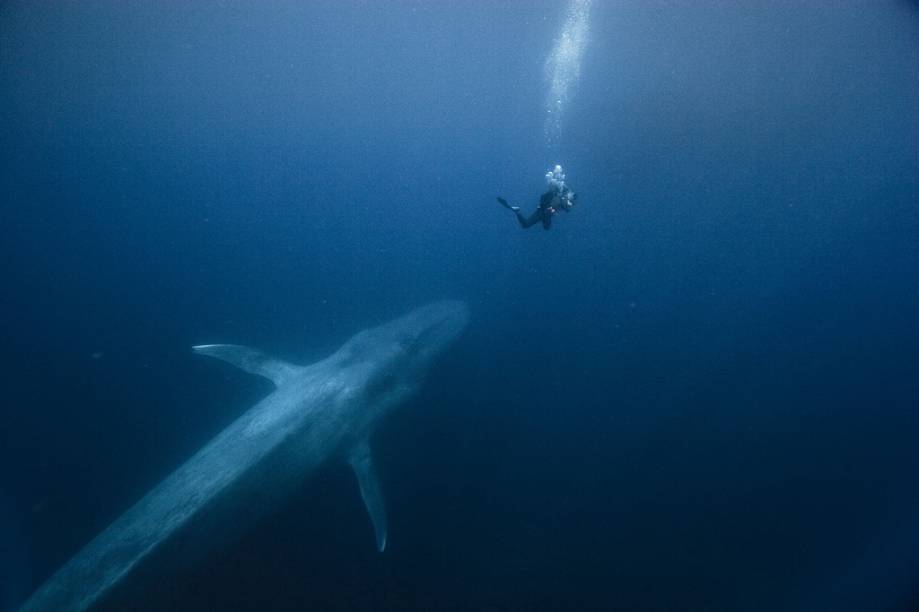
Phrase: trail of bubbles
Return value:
(563, 67)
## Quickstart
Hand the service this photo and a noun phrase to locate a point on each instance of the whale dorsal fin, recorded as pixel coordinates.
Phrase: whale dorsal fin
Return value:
(250, 360)
(371, 491)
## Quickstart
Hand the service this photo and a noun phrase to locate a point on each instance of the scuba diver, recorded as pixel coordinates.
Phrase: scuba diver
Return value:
(558, 197)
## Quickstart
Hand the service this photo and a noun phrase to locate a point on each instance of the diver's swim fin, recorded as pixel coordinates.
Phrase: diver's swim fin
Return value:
(504, 203)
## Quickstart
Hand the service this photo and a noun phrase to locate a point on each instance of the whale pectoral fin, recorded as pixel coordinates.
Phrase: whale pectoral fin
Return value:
(371, 491)
(250, 360)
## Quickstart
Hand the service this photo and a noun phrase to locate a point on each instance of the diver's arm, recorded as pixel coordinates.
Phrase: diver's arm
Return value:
(568, 199)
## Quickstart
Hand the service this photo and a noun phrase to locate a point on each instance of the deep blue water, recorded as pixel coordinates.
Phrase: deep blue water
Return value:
(698, 391)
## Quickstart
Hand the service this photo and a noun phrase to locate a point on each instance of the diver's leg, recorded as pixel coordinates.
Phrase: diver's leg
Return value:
(547, 222)
(527, 223)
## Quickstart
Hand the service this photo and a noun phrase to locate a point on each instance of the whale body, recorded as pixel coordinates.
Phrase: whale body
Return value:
(325, 410)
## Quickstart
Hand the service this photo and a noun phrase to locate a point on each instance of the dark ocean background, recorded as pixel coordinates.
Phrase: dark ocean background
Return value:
(698, 391)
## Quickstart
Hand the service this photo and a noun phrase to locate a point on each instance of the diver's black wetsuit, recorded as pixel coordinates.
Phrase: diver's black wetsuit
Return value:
(549, 203)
